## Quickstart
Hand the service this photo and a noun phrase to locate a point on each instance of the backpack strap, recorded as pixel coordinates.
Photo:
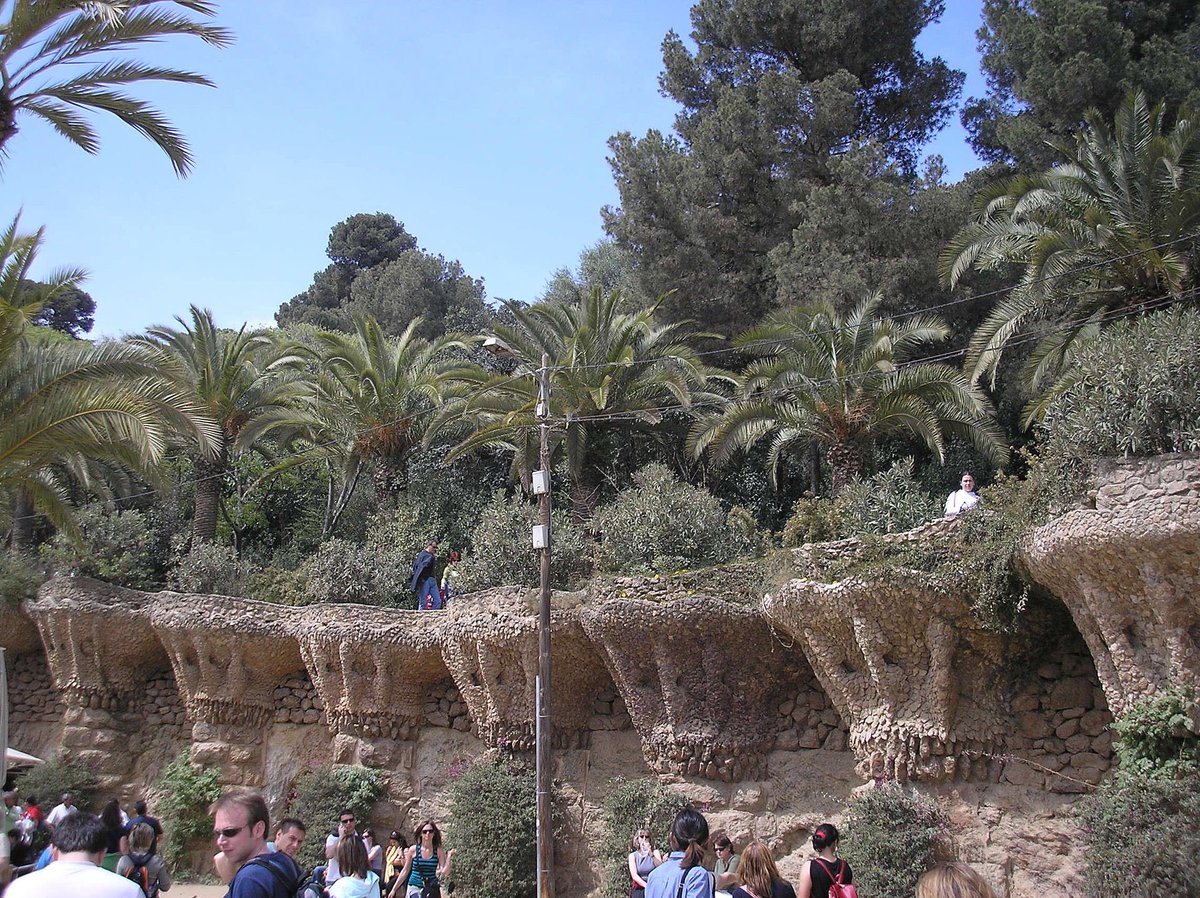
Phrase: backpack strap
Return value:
(683, 879)
(841, 868)
(263, 860)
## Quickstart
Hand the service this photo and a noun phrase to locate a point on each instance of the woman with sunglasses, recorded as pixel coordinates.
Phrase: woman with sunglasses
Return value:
(642, 859)
(426, 861)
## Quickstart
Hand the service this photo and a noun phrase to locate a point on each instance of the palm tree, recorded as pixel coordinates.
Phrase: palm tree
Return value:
(1110, 232)
(611, 373)
(242, 380)
(373, 400)
(72, 413)
(845, 382)
(56, 63)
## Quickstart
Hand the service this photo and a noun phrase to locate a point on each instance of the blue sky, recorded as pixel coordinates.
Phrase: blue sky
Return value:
(480, 125)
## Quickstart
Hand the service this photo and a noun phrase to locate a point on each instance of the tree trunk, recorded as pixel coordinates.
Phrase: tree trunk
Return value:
(23, 521)
(585, 494)
(814, 468)
(210, 479)
(845, 463)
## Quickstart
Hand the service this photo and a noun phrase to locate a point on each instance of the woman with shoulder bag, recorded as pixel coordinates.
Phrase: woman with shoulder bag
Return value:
(819, 874)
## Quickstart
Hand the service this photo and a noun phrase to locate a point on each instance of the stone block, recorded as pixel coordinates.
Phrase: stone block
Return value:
(1033, 726)
(1075, 692)
(1067, 729)
(1020, 774)
(1093, 723)
(748, 798)
(1079, 743)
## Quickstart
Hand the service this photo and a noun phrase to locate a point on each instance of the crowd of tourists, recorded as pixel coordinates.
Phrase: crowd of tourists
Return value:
(684, 871)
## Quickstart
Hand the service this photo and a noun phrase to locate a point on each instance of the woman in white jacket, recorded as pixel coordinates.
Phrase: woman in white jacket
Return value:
(357, 879)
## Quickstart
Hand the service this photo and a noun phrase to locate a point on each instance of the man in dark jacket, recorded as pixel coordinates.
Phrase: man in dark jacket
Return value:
(424, 578)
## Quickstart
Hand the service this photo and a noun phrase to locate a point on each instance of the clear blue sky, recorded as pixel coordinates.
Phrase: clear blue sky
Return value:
(480, 125)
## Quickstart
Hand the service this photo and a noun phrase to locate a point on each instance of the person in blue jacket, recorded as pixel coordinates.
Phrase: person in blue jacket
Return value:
(682, 874)
(424, 578)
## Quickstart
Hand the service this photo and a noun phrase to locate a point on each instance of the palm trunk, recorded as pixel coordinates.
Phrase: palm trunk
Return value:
(210, 478)
(22, 528)
(845, 463)
(814, 468)
(585, 494)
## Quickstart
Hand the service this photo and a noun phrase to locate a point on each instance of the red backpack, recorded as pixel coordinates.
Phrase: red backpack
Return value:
(838, 889)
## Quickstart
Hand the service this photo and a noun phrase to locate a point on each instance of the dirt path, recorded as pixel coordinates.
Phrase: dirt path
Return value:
(192, 890)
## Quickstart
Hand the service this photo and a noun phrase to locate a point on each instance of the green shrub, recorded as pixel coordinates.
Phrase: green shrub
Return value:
(19, 578)
(187, 794)
(115, 546)
(890, 839)
(1160, 738)
(341, 571)
(1142, 836)
(210, 569)
(629, 805)
(662, 524)
(56, 776)
(1135, 390)
(321, 794)
(888, 502)
(502, 552)
(493, 817)
(278, 586)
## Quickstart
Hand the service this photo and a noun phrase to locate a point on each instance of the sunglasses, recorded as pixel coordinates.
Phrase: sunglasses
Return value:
(428, 832)
(227, 832)
(347, 820)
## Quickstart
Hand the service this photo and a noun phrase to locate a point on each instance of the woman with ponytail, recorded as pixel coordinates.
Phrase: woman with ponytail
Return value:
(678, 876)
(826, 868)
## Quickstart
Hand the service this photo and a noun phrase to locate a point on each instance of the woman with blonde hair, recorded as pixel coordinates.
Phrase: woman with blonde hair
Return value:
(759, 877)
(142, 865)
(953, 881)
(642, 859)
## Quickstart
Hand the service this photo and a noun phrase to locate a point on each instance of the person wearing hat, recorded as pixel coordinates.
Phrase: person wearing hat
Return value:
(424, 578)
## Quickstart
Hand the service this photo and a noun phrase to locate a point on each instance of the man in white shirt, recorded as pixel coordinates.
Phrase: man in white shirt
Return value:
(346, 823)
(79, 841)
(62, 811)
(962, 499)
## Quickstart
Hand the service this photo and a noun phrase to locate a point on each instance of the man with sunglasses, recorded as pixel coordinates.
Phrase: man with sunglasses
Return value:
(240, 823)
(345, 827)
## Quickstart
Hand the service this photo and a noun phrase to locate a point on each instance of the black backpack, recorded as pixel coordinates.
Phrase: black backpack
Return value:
(295, 883)
(139, 872)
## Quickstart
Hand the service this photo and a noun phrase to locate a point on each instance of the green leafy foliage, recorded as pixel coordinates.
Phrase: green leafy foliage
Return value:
(502, 552)
(342, 571)
(1160, 738)
(187, 793)
(115, 546)
(662, 525)
(50, 780)
(320, 794)
(280, 587)
(890, 839)
(19, 578)
(210, 569)
(888, 502)
(493, 818)
(1143, 837)
(629, 805)
(1135, 390)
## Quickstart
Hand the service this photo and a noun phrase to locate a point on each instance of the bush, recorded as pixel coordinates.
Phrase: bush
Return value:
(888, 502)
(627, 806)
(890, 839)
(19, 579)
(278, 586)
(341, 571)
(187, 794)
(493, 816)
(503, 554)
(1135, 390)
(891, 501)
(50, 780)
(210, 569)
(117, 547)
(322, 793)
(662, 525)
(1143, 837)
(1160, 738)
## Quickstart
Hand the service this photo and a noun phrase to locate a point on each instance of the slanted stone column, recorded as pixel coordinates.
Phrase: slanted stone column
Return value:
(227, 676)
(100, 648)
(917, 677)
(373, 668)
(701, 679)
(1127, 568)
(490, 645)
